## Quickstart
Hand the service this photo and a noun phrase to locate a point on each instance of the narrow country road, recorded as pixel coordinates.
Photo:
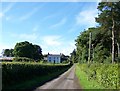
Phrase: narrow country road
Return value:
(67, 80)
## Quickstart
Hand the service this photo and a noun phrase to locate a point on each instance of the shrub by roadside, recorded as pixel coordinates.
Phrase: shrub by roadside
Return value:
(22, 59)
(107, 75)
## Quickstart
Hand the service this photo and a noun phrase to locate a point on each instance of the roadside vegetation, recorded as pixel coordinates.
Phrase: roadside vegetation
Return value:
(28, 75)
(83, 79)
(98, 76)
(98, 50)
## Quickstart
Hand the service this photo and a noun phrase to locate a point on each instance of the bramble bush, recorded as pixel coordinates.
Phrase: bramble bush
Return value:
(106, 74)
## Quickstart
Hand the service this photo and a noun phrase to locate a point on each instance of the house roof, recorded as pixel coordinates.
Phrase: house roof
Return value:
(54, 55)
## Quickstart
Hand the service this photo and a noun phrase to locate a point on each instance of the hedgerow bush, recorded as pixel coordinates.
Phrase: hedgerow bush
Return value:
(5, 60)
(23, 59)
(107, 75)
(15, 72)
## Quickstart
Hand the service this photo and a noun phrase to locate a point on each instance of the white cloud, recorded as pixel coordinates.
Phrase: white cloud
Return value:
(53, 47)
(7, 18)
(25, 36)
(29, 14)
(28, 36)
(68, 48)
(86, 18)
(35, 28)
(8, 8)
(52, 40)
(49, 17)
(60, 23)
(1, 14)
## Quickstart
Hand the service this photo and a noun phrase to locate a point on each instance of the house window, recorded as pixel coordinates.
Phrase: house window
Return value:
(49, 59)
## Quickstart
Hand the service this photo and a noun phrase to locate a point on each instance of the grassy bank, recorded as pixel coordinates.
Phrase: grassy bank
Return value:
(83, 79)
(98, 76)
(18, 75)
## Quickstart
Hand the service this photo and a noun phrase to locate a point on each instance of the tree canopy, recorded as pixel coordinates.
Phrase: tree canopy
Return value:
(8, 53)
(105, 38)
(26, 49)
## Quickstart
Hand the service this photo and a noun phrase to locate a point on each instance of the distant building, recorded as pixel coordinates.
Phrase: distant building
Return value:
(54, 58)
(45, 57)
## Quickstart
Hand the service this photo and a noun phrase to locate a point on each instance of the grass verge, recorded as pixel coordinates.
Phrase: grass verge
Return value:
(84, 82)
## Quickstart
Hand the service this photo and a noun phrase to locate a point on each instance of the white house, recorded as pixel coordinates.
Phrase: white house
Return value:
(54, 58)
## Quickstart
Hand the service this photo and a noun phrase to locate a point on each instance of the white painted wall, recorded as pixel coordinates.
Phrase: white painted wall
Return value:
(54, 58)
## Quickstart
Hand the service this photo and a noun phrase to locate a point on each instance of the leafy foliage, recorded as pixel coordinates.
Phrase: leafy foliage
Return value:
(73, 57)
(105, 74)
(15, 72)
(22, 59)
(26, 49)
(104, 47)
(8, 53)
(102, 37)
(110, 21)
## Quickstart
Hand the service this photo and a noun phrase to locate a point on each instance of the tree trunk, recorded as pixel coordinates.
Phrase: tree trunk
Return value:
(118, 48)
(113, 41)
(89, 57)
(93, 52)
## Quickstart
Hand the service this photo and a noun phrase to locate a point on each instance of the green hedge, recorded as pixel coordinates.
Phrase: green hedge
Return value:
(108, 75)
(14, 72)
(23, 59)
(5, 60)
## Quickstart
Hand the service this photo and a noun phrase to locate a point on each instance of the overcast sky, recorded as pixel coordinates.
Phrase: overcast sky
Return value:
(53, 26)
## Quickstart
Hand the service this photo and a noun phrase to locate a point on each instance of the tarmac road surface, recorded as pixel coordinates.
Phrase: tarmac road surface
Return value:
(67, 80)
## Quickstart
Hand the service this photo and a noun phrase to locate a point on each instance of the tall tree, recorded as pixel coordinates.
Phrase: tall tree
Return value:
(90, 45)
(110, 21)
(37, 52)
(74, 57)
(8, 53)
(23, 49)
(26, 49)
